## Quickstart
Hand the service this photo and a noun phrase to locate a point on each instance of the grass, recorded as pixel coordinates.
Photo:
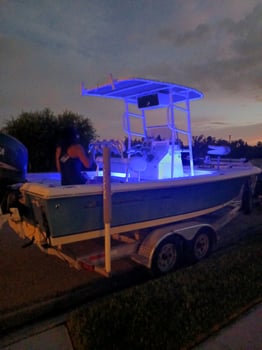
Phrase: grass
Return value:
(178, 310)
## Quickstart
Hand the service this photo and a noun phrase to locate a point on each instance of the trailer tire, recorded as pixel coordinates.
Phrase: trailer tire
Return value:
(166, 256)
(201, 246)
(9, 199)
(247, 200)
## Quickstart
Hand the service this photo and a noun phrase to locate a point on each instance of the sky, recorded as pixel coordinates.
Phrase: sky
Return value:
(48, 47)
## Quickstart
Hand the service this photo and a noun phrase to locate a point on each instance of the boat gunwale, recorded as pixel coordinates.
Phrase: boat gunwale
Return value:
(47, 190)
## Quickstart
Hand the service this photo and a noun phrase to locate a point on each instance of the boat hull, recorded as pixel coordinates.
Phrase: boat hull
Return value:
(70, 210)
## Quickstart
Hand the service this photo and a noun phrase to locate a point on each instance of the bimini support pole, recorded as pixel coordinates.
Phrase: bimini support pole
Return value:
(189, 135)
(107, 209)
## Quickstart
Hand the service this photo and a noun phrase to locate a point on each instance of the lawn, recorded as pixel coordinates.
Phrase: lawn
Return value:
(178, 310)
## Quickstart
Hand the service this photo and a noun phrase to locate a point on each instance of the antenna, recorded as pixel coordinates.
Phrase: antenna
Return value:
(112, 81)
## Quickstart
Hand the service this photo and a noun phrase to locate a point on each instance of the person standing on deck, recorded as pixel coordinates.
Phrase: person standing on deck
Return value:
(71, 158)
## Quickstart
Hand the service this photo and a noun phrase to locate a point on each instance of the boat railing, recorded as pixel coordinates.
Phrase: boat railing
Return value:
(220, 162)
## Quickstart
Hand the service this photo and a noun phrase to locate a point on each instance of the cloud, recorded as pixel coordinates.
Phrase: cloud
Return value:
(47, 48)
(249, 133)
(192, 37)
(223, 53)
(258, 98)
(219, 123)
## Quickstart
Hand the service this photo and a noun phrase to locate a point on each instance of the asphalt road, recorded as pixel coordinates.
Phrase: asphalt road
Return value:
(35, 285)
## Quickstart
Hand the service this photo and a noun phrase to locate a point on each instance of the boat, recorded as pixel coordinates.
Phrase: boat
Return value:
(152, 183)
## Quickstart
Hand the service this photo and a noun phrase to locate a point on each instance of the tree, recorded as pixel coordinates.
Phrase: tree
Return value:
(85, 128)
(239, 149)
(200, 147)
(39, 131)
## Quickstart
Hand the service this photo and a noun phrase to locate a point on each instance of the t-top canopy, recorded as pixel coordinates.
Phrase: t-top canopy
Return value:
(144, 92)
(151, 94)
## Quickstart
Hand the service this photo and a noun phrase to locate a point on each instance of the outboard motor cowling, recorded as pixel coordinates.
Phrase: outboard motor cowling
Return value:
(13, 164)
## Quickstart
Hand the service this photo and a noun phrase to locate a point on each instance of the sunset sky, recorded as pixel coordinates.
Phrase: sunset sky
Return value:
(48, 47)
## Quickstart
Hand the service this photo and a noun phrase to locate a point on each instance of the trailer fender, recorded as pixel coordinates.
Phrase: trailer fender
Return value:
(180, 234)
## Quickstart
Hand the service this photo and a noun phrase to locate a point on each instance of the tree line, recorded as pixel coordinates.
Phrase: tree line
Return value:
(39, 132)
(239, 148)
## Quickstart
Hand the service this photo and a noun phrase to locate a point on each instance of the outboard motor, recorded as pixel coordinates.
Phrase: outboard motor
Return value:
(13, 166)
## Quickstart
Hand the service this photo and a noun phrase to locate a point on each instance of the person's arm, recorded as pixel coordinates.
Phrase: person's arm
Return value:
(82, 156)
(57, 156)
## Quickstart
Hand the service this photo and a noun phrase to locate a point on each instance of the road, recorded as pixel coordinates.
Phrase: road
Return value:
(34, 283)
(32, 280)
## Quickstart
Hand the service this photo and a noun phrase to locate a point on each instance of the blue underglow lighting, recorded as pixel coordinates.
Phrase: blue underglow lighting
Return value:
(118, 174)
(100, 174)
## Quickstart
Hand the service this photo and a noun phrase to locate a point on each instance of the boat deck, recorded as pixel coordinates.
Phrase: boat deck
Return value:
(227, 167)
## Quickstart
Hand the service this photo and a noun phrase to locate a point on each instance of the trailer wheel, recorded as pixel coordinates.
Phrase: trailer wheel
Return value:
(166, 257)
(201, 245)
(9, 200)
(247, 200)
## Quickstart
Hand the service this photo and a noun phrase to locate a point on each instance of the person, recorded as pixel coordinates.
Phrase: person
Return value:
(70, 158)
